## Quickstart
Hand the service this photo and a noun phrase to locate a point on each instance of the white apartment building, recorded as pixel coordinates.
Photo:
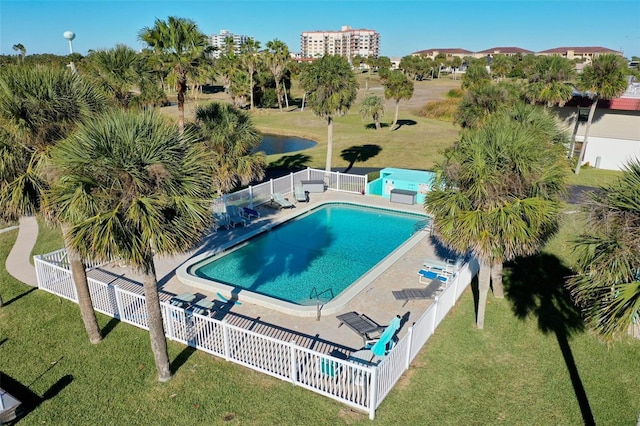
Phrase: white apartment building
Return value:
(218, 41)
(347, 42)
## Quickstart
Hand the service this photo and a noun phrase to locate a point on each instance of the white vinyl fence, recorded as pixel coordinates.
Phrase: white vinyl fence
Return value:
(359, 386)
(260, 194)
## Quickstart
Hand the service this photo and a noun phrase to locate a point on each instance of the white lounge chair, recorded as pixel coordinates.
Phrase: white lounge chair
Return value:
(235, 216)
(282, 202)
(300, 194)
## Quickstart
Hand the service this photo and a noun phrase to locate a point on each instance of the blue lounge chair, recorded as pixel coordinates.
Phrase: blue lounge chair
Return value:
(221, 219)
(235, 216)
(385, 342)
(250, 213)
(203, 307)
(425, 276)
(282, 202)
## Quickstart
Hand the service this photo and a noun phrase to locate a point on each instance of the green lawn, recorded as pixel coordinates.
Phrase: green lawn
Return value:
(511, 373)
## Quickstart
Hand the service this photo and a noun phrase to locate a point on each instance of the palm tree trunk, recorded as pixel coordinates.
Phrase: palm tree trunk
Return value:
(286, 98)
(156, 326)
(483, 289)
(377, 121)
(496, 280)
(583, 148)
(395, 118)
(279, 95)
(251, 87)
(79, 276)
(327, 167)
(182, 87)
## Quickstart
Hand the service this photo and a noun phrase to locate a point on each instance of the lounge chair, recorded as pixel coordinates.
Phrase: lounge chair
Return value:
(447, 266)
(428, 292)
(203, 307)
(182, 300)
(250, 213)
(300, 194)
(425, 276)
(385, 342)
(282, 202)
(222, 219)
(235, 216)
(361, 324)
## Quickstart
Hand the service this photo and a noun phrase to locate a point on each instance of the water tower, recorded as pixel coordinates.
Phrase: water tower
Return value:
(70, 35)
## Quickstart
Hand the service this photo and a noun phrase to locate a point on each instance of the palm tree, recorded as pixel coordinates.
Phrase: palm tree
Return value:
(481, 101)
(19, 47)
(332, 89)
(372, 106)
(500, 67)
(131, 185)
(476, 74)
(276, 59)
(119, 71)
(180, 46)
(498, 191)
(250, 51)
(456, 62)
(604, 78)
(607, 282)
(397, 87)
(550, 81)
(230, 136)
(39, 107)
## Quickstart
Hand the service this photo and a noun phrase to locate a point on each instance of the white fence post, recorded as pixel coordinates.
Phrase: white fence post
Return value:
(308, 173)
(409, 346)
(270, 186)
(337, 181)
(291, 181)
(293, 367)
(118, 302)
(373, 394)
(435, 314)
(227, 343)
(455, 289)
(250, 196)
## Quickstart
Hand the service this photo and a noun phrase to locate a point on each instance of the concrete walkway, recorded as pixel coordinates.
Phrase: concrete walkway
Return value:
(18, 265)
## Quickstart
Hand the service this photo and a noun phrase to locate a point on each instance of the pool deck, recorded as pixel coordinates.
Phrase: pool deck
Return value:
(375, 300)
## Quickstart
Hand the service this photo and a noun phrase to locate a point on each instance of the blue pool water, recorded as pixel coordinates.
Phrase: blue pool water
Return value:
(328, 248)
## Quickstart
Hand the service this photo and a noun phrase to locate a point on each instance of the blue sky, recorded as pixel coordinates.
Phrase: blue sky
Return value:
(404, 26)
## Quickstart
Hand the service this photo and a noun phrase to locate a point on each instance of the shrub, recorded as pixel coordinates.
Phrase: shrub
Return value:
(443, 110)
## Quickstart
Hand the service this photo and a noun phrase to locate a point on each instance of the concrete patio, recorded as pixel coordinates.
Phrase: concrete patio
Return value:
(324, 335)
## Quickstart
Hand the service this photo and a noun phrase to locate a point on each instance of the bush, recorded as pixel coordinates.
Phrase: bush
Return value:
(444, 110)
(455, 93)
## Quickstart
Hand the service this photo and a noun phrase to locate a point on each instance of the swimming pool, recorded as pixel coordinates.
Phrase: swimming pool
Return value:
(321, 252)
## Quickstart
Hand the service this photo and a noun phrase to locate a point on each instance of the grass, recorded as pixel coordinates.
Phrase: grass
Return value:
(515, 371)
(532, 364)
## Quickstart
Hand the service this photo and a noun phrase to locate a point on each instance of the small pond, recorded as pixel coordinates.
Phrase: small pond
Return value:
(272, 144)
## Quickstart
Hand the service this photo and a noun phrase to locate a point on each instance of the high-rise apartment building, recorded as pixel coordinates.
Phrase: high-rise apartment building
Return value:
(219, 41)
(347, 42)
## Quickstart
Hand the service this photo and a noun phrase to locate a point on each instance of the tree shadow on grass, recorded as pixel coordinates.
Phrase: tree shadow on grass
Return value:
(29, 400)
(535, 288)
(360, 154)
(182, 358)
(20, 296)
(401, 123)
(296, 161)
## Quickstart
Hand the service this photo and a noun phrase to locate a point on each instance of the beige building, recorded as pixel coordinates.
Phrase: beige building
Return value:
(584, 54)
(347, 42)
(505, 51)
(449, 52)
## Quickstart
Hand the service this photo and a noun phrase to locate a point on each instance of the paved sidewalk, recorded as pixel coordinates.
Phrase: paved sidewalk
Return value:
(18, 264)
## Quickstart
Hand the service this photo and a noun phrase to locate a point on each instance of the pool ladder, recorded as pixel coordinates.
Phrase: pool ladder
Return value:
(316, 295)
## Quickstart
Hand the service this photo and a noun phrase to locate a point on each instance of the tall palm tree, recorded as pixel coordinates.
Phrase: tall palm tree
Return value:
(180, 46)
(19, 47)
(483, 100)
(332, 89)
(372, 107)
(500, 67)
(119, 71)
(397, 87)
(550, 81)
(250, 52)
(498, 191)
(230, 138)
(476, 74)
(607, 283)
(39, 107)
(276, 59)
(130, 185)
(604, 78)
